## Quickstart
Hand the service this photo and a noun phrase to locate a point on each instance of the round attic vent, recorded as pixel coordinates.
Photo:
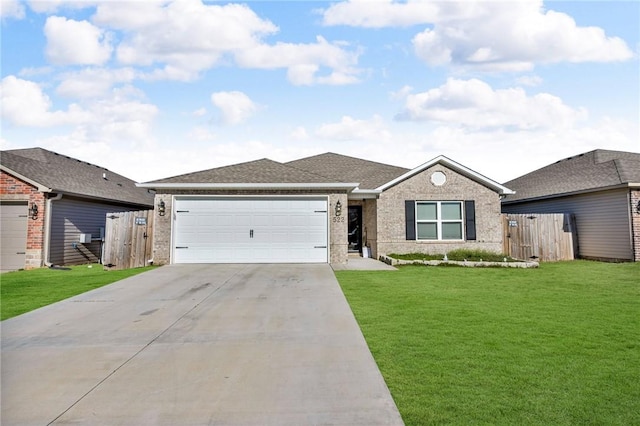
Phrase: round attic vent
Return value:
(438, 178)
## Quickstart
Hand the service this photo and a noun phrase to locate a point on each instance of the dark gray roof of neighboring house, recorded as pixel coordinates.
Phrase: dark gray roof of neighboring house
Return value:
(259, 171)
(71, 176)
(584, 172)
(342, 168)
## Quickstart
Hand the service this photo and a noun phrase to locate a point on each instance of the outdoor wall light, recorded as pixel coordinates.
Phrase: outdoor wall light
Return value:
(161, 208)
(638, 207)
(33, 211)
(338, 208)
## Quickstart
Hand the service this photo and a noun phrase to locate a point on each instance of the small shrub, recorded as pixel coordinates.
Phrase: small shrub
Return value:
(458, 255)
(476, 255)
(416, 256)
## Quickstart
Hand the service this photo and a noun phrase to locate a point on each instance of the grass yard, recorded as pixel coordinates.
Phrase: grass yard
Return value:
(557, 345)
(24, 291)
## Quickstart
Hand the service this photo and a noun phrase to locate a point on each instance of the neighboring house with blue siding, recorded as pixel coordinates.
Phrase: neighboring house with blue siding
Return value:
(600, 188)
(48, 200)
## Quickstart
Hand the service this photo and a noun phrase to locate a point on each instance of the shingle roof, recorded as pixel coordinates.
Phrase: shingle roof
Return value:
(259, 171)
(68, 175)
(584, 172)
(343, 168)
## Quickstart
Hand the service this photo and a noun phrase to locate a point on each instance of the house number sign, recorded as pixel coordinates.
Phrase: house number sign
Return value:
(141, 220)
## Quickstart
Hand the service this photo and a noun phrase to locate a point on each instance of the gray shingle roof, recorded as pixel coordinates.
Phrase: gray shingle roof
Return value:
(259, 171)
(323, 168)
(583, 172)
(342, 168)
(68, 175)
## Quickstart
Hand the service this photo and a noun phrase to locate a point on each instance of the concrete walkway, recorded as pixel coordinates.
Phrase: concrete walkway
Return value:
(357, 263)
(195, 345)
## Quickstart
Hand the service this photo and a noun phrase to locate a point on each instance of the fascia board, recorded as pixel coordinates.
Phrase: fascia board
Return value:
(501, 189)
(363, 194)
(39, 186)
(230, 186)
(572, 193)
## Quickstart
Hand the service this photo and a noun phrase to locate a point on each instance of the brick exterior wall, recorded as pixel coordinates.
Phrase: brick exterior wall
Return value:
(391, 213)
(14, 189)
(338, 229)
(635, 223)
(338, 243)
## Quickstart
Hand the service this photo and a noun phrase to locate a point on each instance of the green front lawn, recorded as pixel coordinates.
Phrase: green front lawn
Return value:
(24, 291)
(557, 345)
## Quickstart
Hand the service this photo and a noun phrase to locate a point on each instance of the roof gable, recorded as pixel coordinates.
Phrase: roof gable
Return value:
(369, 174)
(53, 172)
(457, 167)
(589, 171)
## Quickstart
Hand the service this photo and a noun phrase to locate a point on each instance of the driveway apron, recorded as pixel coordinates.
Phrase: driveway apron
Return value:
(195, 345)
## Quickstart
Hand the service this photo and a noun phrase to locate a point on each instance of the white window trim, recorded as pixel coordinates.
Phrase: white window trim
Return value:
(439, 221)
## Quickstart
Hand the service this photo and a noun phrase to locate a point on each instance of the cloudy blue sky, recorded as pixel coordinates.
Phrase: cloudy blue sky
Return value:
(151, 89)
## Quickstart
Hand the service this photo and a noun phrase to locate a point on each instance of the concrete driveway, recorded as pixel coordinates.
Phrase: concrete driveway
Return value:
(195, 345)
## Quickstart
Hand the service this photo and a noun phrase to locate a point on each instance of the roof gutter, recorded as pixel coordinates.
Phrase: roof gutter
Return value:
(363, 194)
(632, 185)
(244, 186)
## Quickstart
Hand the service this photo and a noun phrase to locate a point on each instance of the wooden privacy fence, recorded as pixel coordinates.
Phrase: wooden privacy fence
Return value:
(540, 237)
(128, 239)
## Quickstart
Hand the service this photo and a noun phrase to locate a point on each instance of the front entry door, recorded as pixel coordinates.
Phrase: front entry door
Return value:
(355, 229)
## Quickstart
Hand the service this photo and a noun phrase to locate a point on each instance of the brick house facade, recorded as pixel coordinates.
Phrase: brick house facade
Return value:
(379, 192)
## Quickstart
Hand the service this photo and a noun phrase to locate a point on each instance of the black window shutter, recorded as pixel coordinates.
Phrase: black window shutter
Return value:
(470, 219)
(410, 218)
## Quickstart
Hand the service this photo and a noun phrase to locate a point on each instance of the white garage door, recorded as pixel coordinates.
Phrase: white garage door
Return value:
(13, 233)
(250, 230)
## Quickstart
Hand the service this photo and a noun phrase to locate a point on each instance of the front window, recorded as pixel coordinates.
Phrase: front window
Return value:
(439, 220)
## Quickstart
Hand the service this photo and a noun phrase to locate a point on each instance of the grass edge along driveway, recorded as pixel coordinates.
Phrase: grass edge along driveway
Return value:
(24, 291)
(555, 345)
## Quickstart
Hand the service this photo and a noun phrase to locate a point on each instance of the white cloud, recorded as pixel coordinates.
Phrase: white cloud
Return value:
(202, 134)
(473, 103)
(527, 36)
(25, 104)
(464, 33)
(379, 14)
(52, 6)
(235, 107)
(179, 40)
(71, 42)
(529, 80)
(299, 134)
(186, 37)
(11, 9)
(93, 82)
(401, 94)
(200, 112)
(351, 129)
(303, 61)
(118, 117)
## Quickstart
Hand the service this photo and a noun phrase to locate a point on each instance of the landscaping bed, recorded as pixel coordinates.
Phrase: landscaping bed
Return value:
(465, 258)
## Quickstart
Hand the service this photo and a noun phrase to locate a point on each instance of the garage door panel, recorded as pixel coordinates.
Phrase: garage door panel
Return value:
(13, 236)
(250, 230)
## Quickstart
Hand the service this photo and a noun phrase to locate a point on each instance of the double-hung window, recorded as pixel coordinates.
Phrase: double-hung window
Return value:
(439, 220)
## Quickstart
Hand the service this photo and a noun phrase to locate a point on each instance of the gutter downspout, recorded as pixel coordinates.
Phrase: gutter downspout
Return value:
(47, 228)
